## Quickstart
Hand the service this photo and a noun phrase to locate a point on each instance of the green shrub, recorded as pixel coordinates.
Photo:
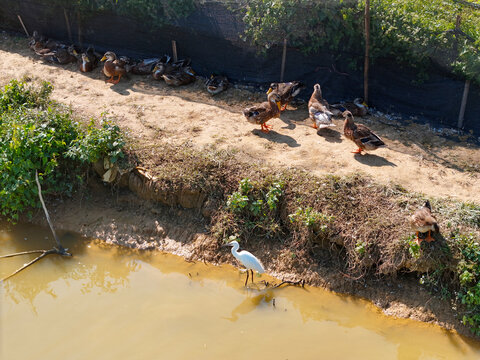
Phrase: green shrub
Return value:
(96, 143)
(255, 207)
(47, 140)
(17, 94)
(468, 271)
(311, 218)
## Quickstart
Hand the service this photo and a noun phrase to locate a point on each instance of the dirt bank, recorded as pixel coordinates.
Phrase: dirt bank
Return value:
(120, 217)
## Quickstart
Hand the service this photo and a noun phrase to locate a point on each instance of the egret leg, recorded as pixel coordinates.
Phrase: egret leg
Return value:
(246, 281)
(252, 274)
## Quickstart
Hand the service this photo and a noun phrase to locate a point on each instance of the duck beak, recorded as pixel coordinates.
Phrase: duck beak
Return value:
(103, 58)
(279, 105)
(269, 91)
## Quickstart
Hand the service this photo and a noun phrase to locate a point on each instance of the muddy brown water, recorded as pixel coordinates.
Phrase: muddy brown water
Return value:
(109, 302)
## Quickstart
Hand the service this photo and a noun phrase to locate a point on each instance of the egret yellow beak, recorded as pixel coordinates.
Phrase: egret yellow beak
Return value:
(269, 91)
(75, 52)
(103, 58)
(279, 105)
(364, 104)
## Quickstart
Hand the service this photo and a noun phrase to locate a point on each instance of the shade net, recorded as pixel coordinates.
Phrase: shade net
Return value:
(210, 36)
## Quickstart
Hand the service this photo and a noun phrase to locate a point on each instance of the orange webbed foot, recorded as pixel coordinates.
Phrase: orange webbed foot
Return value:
(358, 151)
(266, 128)
(429, 237)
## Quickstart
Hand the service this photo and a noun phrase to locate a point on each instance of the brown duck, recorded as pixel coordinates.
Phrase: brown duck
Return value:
(362, 136)
(287, 91)
(216, 84)
(422, 221)
(318, 109)
(113, 67)
(181, 76)
(357, 107)
(260, 114)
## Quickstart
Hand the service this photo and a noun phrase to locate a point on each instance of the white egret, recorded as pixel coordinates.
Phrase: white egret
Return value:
(247, 259)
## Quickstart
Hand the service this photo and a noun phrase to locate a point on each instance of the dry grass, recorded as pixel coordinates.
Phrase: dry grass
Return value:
(369, 230)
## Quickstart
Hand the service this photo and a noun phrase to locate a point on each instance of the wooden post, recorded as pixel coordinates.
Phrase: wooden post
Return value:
(466, 89)
(174, 50)
(284, 57)
(79, 22)
(461, 115)
(68, 25)
(23, 25)
(367, 51)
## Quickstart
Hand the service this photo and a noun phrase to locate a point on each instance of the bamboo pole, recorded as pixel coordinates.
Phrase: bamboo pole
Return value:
(79, 29)
(23, 25)
(463, 106)
(284, 57)
(174, 50)
(68, 25)
(367, 51)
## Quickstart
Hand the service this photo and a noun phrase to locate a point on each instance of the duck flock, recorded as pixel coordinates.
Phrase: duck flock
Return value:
(180, 72)
(279, 95)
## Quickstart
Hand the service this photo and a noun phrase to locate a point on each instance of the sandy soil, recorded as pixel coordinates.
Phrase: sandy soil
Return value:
(416, 157)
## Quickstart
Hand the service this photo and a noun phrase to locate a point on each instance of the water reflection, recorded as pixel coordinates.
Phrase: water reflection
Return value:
(39, 277)
(250, 303)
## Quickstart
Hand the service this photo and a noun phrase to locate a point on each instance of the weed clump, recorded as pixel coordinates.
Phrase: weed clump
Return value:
(37, 134)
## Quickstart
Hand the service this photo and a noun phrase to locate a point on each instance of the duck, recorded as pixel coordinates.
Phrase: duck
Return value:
(88, 59)
(145, 66)
(86, 65)
(113, 67)
(362, 136)
(41, 45)
(216, 84)
(260, 114)
(166, 66)
(181, 76)
(61, 55)
(37, 42)
(318, 109)
(357, 107)
(287, 91)
(422, 221)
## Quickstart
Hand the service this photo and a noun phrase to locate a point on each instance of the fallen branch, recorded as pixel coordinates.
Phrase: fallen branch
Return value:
(59, 249)
(285, 282)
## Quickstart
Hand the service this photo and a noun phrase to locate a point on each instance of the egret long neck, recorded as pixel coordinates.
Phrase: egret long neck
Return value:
(235, 250)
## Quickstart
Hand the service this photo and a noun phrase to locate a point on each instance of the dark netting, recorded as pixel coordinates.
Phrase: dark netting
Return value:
(210, 36)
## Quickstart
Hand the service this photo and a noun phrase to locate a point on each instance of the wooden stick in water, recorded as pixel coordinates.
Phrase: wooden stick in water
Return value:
(46, 212)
